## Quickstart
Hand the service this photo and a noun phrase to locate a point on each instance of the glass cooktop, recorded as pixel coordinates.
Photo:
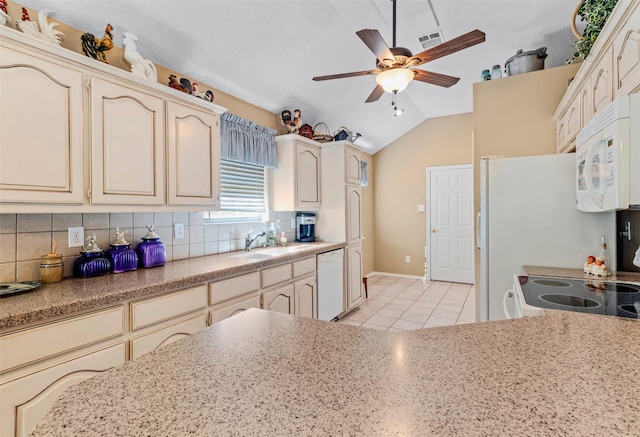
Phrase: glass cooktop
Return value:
(596, 296)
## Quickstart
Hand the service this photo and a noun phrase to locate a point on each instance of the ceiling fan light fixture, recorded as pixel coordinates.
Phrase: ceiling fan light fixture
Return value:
(395, 79)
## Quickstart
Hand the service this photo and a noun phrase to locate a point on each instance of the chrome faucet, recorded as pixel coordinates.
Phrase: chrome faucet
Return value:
(248, 239)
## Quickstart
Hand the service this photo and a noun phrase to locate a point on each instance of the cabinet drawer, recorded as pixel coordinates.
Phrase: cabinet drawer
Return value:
(304, 267)
(276, 275)
(46, 341)
(25, 401)
(234, 287)
(152, 341)
(228, 311)
(150, 311)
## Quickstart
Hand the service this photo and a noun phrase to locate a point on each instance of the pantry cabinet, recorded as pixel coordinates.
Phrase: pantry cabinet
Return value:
(295, 183)
(612, 69)
(127, 145)
(355, 294)
(88, 137)
(41, 140)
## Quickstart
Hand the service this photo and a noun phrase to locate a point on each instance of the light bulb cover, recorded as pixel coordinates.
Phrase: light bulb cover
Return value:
(395, 79)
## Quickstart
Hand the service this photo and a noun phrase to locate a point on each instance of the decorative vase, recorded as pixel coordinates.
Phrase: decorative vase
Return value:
(151, 252)
(123, 258)
(92, 262)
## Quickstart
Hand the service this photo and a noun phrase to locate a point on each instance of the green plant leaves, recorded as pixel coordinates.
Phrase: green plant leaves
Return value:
(595, 13)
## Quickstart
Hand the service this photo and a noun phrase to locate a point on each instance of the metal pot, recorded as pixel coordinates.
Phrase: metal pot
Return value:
(524, 62)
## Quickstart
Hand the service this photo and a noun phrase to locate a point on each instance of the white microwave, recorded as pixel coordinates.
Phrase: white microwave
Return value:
(608, 158)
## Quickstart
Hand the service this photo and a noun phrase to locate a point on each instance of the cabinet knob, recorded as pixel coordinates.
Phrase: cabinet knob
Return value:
(433, 231)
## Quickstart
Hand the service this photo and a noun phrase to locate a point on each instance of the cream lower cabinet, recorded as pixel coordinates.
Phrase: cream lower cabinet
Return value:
(355, 292)
(225, 311)
(41, 144)
(127, 145)
(193, 156)
(166, 334)
(306, 298)
(280, 300)
(295, 183)
(234, 295)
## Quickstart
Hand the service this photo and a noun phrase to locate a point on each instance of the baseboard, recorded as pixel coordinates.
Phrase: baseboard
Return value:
(396, 275)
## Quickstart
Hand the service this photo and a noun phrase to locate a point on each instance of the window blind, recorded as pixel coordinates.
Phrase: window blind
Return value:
(242, 186)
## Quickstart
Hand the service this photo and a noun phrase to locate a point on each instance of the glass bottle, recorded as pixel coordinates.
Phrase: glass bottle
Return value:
(151, 252)
(486, 75)
(92, 262)
(496, 72)
(123, 258)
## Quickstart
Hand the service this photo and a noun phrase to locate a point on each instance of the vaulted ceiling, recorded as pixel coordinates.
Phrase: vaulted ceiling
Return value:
(267, 51)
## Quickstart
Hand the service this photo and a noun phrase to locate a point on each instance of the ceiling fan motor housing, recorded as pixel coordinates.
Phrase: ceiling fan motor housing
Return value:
(400, 54)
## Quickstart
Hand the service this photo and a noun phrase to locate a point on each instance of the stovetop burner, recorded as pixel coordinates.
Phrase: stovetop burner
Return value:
(594, 296)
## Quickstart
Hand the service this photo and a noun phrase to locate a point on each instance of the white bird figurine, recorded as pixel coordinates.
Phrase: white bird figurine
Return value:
(139, 66)
(46, 31)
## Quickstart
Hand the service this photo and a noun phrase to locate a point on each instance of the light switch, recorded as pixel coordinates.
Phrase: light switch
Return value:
(421, 208)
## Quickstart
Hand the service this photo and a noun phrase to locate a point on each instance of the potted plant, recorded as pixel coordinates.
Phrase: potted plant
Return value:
(595, 13)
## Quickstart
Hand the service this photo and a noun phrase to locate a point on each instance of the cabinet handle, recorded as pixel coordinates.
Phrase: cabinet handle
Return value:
(433, 231)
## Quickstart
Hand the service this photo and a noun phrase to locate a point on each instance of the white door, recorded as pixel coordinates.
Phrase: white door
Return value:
(450, 223)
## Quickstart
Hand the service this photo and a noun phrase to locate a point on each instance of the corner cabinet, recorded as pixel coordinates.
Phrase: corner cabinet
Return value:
(104, 140)
(41, 139)
(612, 69)
(295, 183)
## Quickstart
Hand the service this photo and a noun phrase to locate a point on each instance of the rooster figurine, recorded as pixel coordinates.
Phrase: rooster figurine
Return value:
(292, 125)
(139, 66)
(4, 15)
(94, 47)
(46, 31)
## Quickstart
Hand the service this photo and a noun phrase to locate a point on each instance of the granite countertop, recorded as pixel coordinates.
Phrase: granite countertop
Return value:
(579, 274)
(270, 374)
(74, 294)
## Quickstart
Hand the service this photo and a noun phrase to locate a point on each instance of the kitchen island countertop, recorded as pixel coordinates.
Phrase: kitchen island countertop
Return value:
(269, 374)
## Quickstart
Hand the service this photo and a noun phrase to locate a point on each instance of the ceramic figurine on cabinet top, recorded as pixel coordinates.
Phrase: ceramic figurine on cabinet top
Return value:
(291, 124)
(45, 31)
(92, 262)
(139, 66)
(4, 15)
(95, 47)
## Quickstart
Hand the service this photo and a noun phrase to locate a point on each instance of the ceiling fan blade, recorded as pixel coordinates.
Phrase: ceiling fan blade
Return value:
(435, 78)
(375, 42)
(342, 75)
(446, 48)
(377, 92)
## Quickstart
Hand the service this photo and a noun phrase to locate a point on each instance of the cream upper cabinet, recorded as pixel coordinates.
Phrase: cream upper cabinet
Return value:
(41, 145)
(295, 183)
(193, 156)
(602, 83)
(306, 298)
(355, 291)
(626, 56)
(352, 165)
(127, 145)
(354, 214)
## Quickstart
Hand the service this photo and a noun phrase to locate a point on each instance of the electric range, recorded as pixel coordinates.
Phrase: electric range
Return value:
(595, 296)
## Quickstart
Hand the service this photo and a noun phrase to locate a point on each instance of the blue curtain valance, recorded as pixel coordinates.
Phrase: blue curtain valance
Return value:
(245, 141)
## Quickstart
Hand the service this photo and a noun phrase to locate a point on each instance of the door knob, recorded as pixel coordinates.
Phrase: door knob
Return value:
(433, 231)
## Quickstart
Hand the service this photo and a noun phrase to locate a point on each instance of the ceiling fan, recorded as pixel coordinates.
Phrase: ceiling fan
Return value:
(395, 64)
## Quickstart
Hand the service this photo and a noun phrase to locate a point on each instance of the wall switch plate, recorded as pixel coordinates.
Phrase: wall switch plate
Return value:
(278, 224)
(407, 259)
(178, 230)
(293, 223)
(421, 208)
(76, 236)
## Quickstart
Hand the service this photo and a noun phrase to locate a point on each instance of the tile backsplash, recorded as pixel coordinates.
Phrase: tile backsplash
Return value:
(24, 238)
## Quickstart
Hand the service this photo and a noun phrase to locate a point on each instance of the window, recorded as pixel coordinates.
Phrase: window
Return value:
(242, 193)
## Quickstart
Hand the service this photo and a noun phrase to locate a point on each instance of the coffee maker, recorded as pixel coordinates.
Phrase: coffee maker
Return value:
(305, 227)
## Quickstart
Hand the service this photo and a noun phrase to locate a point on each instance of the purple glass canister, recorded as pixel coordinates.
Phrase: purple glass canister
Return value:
(151, 252)
(92, 262)
(123, 258)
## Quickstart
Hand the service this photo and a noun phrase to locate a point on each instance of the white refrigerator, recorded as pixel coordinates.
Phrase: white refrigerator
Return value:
(528, 216)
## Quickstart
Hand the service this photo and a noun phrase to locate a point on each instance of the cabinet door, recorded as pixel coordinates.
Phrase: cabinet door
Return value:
(627, 57)
(307, 177)
(149, 342)
(41, 146)
(306, 298)
(127, 145)
(193, 156)
(354, 220)
(355, 291)
(233, 309)
(602, 83)
(280, 300)
(585, 98)
(352, 165)
(25, 401)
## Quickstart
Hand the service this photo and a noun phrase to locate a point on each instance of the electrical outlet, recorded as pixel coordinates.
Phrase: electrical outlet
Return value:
(407, 259)
(179, 230)
(76, 236)
(278, 224)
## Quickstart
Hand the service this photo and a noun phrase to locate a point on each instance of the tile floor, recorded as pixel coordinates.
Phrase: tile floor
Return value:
(397, 304)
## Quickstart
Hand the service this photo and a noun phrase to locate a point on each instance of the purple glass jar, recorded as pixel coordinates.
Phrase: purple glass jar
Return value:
(92, 262)
(123, 258)
(151, 252)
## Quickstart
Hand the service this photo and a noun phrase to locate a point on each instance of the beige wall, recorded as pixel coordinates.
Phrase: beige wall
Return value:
(400, 185)
(513, 117)
(368, 244)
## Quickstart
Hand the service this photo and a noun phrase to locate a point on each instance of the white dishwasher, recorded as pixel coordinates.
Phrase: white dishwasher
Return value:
(330, 278)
